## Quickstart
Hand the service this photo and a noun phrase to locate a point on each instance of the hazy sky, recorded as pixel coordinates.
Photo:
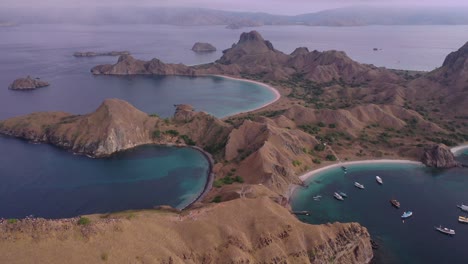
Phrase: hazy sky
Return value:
(269, 6)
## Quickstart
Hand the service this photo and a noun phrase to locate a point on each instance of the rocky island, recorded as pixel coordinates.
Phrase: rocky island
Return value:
(94, 54)
(331, 108)
(27, 83)
(203, 47)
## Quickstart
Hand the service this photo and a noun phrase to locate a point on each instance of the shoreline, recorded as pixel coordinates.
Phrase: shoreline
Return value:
(271, 88)
(210, 177)
(460, 148)
(313, 173)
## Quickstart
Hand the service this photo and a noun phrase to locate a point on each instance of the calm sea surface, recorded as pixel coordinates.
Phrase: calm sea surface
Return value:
(432, 195)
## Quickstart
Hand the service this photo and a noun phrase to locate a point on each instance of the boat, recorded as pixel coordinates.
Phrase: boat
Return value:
(463, 207)
(395, 203)
(378, 179)
(344, 168)
(338, 196)
(406, 214)
(445, 230)
(317, 198)
(463, 219)
(344, 195)
(357, 184)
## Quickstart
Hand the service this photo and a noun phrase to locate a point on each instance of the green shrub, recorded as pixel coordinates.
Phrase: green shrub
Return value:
(319, 147)
(154, 115)
(188, 140)
(317, 161)
(104, 256)
(330, 157)
(12, 221)
(332, 125)
(172, 132)
(84, 221)
(239, 179)
(217, 199)
(296, 163)
(321, 124)
(156, 134)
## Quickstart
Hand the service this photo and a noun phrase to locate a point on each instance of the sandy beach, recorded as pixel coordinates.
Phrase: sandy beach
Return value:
(312, 173)
(459, 148)
(275, 92)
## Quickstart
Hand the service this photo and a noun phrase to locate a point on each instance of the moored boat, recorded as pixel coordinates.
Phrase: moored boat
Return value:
(463, 207)
(357, 184)
(395, 203)
(378, 179)
(338, 196)
(463, 219)
(406, 214)
(445, 230)
(344, 195)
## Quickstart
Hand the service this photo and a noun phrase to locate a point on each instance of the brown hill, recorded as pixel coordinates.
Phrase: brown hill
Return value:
(239, 231)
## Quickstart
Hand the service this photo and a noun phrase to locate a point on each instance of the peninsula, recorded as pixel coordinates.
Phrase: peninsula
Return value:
(332, 108)
(94, 54)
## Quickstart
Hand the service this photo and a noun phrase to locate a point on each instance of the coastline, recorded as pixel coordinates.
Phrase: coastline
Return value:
(457, 149)
(313, 173)
(210, 177)
(271, 88)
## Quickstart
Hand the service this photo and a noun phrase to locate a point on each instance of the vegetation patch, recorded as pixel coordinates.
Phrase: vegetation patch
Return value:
(84, 221)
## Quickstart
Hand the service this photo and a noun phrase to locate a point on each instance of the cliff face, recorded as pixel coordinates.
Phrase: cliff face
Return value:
(239, 231)
(27, 83)
(439, 156)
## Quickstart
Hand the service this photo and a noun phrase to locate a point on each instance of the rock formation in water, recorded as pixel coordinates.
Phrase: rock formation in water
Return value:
(95, 54)
(127, 65)
(439, 156)
(203, 47)
(27, 83)
(239, 231)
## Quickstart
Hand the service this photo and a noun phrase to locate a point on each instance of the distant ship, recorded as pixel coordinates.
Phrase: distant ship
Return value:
(395, 203)
(406, 214)
(463, 207)
(357, 184)
(445, 230)
(463, 219)
(378, 179)
(338, 196)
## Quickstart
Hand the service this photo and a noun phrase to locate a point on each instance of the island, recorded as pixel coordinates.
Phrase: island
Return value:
(27, 83)
(94, 54)
(331, 109)
(203, 47)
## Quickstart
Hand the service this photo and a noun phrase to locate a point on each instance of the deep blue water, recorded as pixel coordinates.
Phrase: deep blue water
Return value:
(432, 195)
(49, 182)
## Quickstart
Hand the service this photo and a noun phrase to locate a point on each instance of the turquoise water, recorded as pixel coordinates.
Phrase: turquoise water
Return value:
(48, 182)
(431, 194)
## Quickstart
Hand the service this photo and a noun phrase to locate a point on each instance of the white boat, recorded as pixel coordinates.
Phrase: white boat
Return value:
(445, 230)
(357, 184)
(378, 179)
(338, 196)
(463, 219)
(463, 207)
(344, 195)
(406, 214)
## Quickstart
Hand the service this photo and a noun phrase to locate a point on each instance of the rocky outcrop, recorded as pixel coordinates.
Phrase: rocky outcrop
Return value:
(27, 83)
(203, 47)
(127, 65)
(238, 231)
(439, 156)
(95, 54)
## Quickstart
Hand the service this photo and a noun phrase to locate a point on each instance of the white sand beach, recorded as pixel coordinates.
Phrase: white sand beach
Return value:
(459, 148)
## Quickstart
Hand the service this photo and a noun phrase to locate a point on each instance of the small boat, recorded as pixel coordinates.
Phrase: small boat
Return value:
(463, 219)
(344, 195)
(445, 230)
(463, 207)
(395, 203)
(357, 184)
(378, 179)
(338, 196)
(406, 214)
(344, 168)
(317, 197)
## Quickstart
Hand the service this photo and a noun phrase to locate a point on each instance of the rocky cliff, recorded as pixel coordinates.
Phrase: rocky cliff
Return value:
(439, 156)
(238, 231)
(127, 65)
(203, 47)
(27, 83)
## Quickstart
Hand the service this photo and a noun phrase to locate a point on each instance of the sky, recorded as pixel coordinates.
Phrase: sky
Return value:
(287, 7)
